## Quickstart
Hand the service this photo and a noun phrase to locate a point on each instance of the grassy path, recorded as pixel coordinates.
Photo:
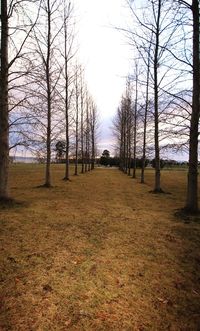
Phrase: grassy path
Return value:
(98, 253)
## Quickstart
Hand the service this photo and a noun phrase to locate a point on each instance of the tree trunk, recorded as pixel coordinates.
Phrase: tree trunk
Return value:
(88, 148)
(87, 165)
(76, 153)
(48, 82)
(135, 125)
(93, 153)
(145, 121)
(93, 139)
(82, 133)
(129, 145)
(157, 188)
(77, 119)
(121, 147)
(66, 102)
(66, 132)
(4, 126)
(86, 152)
(124, 141)
(192, 186)
(127, 141)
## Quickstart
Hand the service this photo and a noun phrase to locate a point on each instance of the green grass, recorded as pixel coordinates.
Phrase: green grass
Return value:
(98, 253)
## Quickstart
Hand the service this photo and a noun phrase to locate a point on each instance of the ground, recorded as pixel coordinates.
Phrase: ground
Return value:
(98, 253)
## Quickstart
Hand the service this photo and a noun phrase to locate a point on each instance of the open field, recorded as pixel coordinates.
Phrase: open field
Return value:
(98, 253)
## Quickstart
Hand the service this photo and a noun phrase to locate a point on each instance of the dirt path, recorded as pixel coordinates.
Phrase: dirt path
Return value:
(98, 253)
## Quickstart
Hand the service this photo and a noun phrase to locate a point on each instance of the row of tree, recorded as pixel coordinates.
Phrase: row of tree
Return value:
(160, 107)
(43, 96)
(116, 161)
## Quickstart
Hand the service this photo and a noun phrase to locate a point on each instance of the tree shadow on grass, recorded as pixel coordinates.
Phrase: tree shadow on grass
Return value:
(46, 186)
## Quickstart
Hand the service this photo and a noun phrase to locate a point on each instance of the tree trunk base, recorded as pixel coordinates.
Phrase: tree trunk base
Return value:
(67, 179)
(10, 203)
(6, 200)
(46, 185)
(157, 191)
(188, 211)
(187, 215)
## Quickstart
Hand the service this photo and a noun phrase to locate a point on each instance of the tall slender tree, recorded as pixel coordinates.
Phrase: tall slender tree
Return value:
(93, 130)
(82, 127)
(192, 185)
(77, 97)
(145, 114)
(8, 33)
(4, 127)
(46, 43)
(68, 34)
(135, 121)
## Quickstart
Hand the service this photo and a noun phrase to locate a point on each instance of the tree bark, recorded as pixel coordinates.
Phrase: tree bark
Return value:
(48, 82)
(93, 151)
(88, 142)
(124, 140)
(135, 125)
(86, 152)
(82, 132)
(157, 187)
(145, 120)
(77, 120)
(66, 132)
(93, 126)
(121, 141)
(192, 185)
(66, 101)
(129, 144)
(4, 126)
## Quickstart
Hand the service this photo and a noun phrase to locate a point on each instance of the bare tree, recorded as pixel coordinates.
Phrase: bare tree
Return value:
(157, 12)
(68, 75)
(183, 101)
(135, 116)
(123, 130)
(93, 130)
(192, 186)
(7, 61)
(87, 135)
(45, 36)
(77, 96)
(156, 35)
(145, 115)
(4, 127)
(82, 127)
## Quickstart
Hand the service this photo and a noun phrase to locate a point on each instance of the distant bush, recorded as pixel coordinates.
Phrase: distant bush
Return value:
(139, 163)
(162, 163)
(115, 162)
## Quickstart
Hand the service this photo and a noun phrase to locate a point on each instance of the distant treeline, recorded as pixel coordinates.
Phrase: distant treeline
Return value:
(115, 162)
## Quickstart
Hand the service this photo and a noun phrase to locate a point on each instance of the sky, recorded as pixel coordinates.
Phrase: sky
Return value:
(105, 56)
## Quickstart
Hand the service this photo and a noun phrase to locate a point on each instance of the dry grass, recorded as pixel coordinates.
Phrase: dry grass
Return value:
(98, 253)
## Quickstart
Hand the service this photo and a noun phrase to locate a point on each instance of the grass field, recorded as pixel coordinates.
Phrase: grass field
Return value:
(98, 253)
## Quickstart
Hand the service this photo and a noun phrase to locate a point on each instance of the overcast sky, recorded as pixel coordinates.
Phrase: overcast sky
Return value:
(105, 56)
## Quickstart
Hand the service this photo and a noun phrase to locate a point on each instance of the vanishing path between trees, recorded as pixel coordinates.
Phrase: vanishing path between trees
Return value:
(97, 253)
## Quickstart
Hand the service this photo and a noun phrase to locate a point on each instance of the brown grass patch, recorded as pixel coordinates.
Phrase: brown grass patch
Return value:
(98, 253)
